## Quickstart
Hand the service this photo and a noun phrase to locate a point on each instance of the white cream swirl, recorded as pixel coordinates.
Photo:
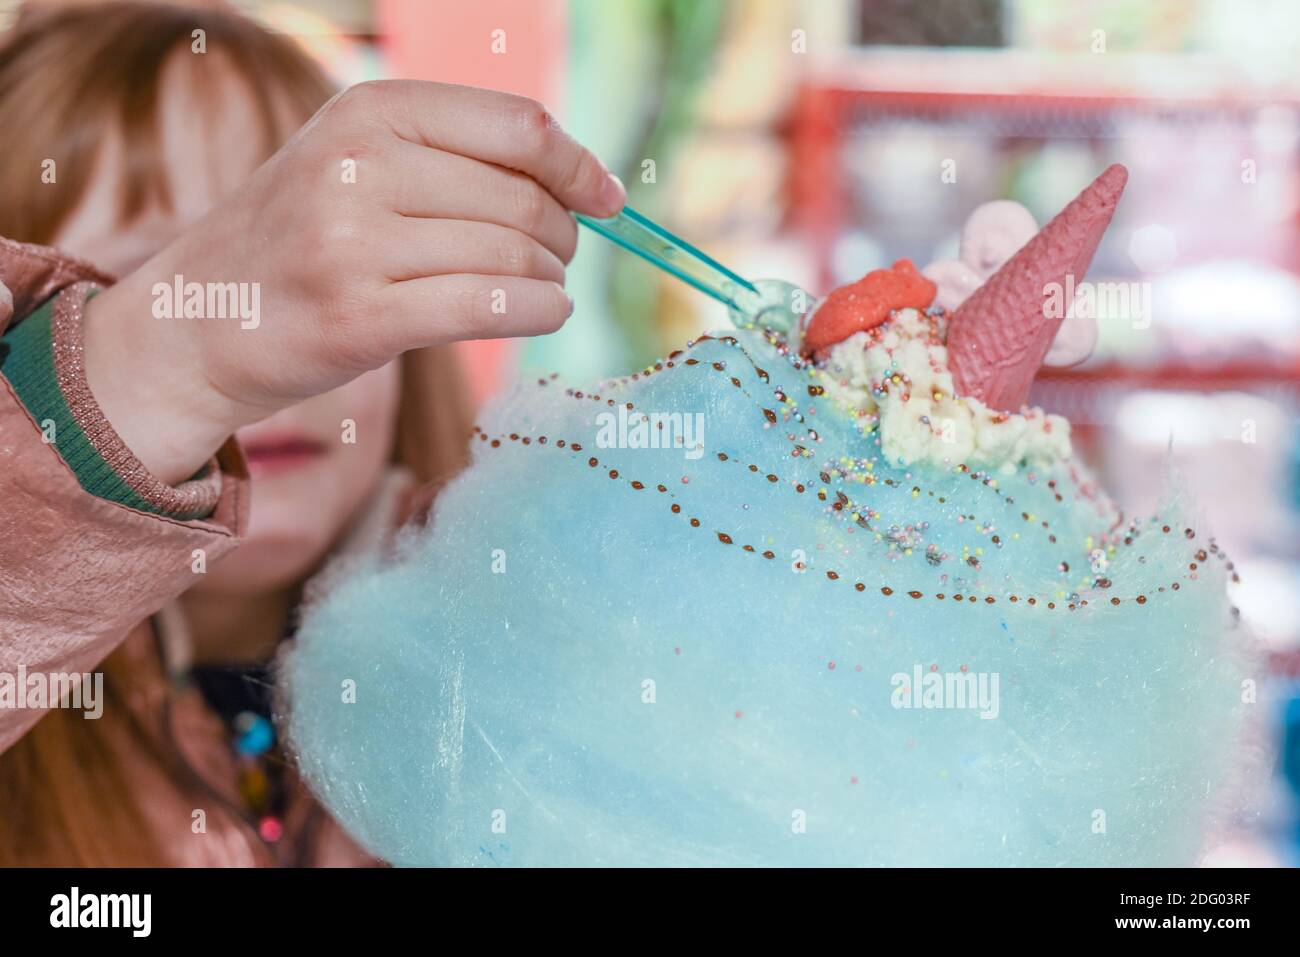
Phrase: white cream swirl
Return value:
(894, 379)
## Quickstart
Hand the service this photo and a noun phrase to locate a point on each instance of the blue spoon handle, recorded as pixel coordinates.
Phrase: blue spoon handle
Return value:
(651, 241)
(770, 302)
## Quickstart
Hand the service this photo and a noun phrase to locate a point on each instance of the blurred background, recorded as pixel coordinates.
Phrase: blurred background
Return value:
(814, 140)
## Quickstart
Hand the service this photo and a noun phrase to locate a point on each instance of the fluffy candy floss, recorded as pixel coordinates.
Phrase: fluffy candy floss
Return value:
(769, 645)
(751, 607)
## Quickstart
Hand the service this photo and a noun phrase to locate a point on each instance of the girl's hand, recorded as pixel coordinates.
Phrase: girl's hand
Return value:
(404, 214)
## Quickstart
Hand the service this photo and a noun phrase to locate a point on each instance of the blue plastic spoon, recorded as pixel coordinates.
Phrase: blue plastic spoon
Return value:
(766, 303)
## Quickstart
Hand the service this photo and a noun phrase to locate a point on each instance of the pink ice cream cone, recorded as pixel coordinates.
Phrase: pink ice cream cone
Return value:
(1000, 334)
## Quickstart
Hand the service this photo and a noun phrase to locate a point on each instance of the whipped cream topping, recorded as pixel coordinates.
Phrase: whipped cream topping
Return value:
(894, 380)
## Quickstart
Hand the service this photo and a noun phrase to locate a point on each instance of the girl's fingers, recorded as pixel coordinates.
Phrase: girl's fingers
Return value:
(415, 248)
(499, 128)
(440, 309)
(437, 184)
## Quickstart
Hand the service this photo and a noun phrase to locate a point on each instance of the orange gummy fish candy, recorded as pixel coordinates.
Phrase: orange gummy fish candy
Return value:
(866, 303)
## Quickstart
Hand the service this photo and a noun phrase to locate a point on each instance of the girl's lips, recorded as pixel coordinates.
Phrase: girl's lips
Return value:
(271, 454)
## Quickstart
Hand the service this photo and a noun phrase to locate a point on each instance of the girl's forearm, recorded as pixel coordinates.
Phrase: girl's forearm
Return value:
(144, 374)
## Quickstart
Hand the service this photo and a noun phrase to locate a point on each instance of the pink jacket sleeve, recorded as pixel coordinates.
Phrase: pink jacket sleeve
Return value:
(78, 572)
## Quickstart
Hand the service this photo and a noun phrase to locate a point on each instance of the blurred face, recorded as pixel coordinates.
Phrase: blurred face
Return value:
(312, 465)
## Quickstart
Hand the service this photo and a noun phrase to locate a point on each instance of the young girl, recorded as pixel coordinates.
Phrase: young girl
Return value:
(402, 217)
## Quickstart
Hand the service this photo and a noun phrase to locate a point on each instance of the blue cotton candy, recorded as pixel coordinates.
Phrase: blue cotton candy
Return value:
(563, 670)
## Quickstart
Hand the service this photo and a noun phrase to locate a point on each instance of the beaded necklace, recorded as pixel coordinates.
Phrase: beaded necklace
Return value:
(242, 696)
